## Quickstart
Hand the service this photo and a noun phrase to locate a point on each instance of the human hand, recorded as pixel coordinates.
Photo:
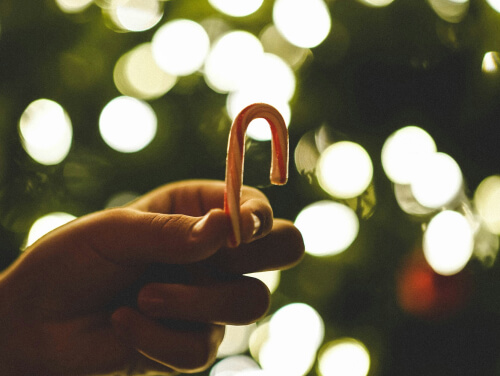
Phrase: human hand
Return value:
(64, 308)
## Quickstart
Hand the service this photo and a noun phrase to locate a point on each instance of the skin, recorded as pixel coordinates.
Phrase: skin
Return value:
(143, 288)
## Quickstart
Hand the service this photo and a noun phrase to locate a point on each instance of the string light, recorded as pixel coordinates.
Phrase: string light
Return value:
(73, 6)
(45, 224)
(344, 357)
(487, 203)
(236, 8)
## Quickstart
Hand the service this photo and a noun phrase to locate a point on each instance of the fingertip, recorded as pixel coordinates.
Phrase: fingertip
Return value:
(256, 220)
(211, 230)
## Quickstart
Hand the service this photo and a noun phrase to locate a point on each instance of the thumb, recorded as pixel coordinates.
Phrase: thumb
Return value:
(130, 237)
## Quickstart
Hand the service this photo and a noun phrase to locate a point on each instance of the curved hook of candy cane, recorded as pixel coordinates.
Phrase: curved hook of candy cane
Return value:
(236, 153)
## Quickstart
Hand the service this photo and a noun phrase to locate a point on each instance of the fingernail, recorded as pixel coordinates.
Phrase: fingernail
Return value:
(198, 227)
(256, 224)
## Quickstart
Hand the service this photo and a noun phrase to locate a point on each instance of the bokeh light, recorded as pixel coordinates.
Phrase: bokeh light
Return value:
(135, 15)
(344, 357)
(376, 3)
(136, 74)
(328, 227)
(121, 199)
(487, 202)
(495, 4)
(448, 242)
(236, 340)
(273, 42)
(344, 169)
(236, 8)
(234, 365)
(403, 151)
(304, 23)
(46, 131)
(180, 47)
(47, 223)
(490, 62)
(452, 11)
(73, 6)
(270, 278)
(295, 333)
(127, 124)
(232, 57)
(437, 181)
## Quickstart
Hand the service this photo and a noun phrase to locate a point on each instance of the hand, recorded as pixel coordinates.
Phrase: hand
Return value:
(145, 288)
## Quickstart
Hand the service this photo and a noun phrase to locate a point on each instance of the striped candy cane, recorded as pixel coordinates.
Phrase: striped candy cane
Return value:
(236, 153)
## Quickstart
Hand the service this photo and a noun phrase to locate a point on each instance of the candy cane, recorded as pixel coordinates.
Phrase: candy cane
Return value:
(236, 153)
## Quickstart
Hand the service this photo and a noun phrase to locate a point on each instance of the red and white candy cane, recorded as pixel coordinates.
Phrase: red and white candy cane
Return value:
(236, 153)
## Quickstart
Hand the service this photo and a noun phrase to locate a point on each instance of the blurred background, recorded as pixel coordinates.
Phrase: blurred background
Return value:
(392, 108)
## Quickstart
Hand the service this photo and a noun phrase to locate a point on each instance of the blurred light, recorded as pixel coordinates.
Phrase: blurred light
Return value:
(407, 201)
(121, 199)
(235, 340)
(377, 3)
(270, 278)
(345, 169)
(232, 57)
(438, 181)
(135, 15)
(487, 202)
(344, 357)
(295, 333)
(46, 131)
(258, 338)
(233, 365)
(304, 23)
(403, 151)
(73, 6)
(127, 124)
(490, 62)
(273, 42)
(136, 74)
(236, 8)
(450, 10)
(495, 4)
(328, 228)
(258, 129)
(180, 47)
(448, 242)
(306, 155)
(45, 224)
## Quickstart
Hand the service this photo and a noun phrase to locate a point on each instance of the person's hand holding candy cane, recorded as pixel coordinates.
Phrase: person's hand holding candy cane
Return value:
(144, 288)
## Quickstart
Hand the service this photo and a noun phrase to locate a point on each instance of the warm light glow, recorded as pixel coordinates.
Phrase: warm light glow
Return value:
(490, 62)
(270, 278)
(304, 23)
(403, 151)
(487, 202)
(259, 128)
(234, 365)
(328, 227)
(127, 124)
(236, 339)
(232, 57)
(47, 223)
(345, 169)
(136, 74)
(258, 338)
(236, 8)
(437, 181)
(377, 3)
(448, 242)
(180, 47)
(344, 357)
(73, 6)
(46, 131)
(495, 4)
